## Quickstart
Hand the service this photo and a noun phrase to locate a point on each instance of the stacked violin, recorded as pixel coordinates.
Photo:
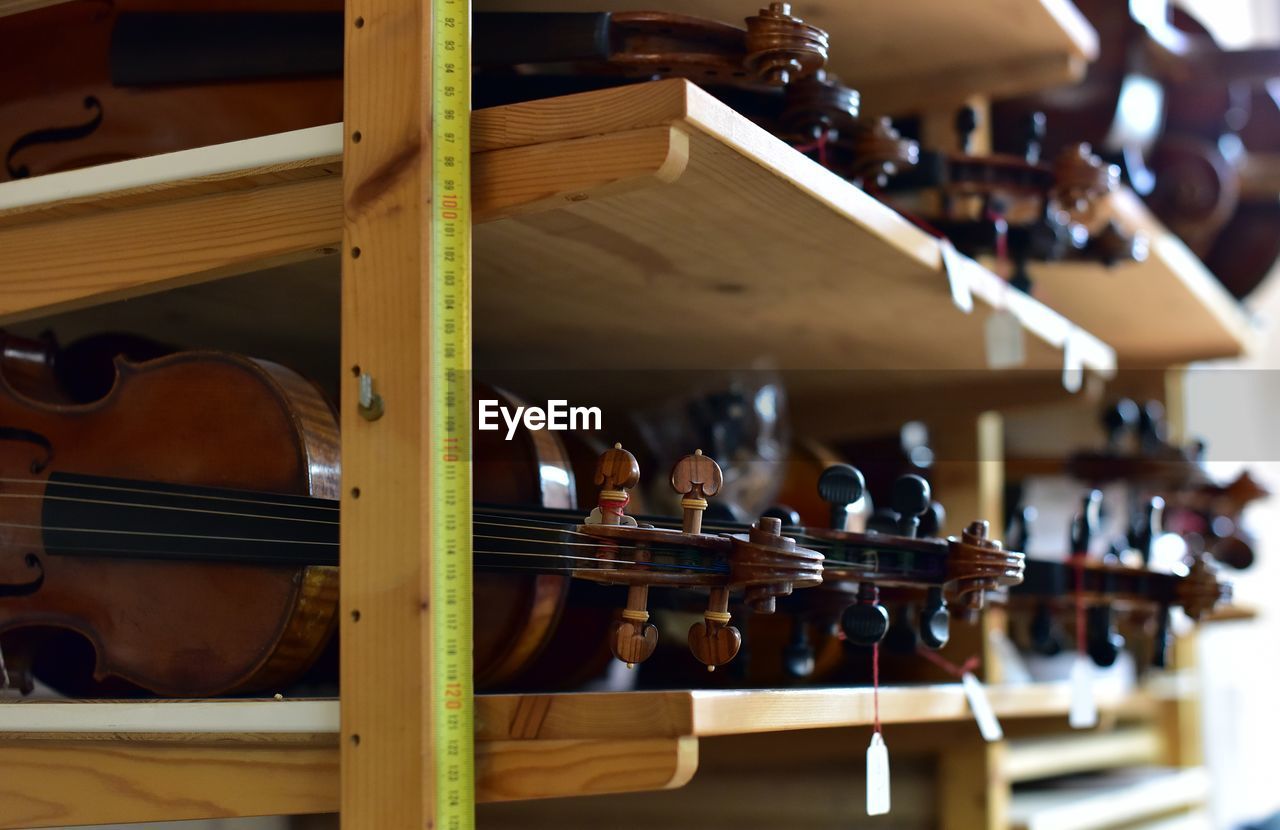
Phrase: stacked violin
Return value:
(240, 72)
(1170, 496)
(1016, 207)
(1090, 593)
(1192, 126)
(175, 532)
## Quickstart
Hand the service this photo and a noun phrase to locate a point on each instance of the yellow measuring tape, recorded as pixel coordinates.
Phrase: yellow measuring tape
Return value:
(452, 698)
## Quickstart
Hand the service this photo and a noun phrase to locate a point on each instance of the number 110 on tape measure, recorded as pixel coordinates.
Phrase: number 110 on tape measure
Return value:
(450, 415)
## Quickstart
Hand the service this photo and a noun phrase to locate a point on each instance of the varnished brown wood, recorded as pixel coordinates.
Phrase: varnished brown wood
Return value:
(191, 628)
(1004, 46)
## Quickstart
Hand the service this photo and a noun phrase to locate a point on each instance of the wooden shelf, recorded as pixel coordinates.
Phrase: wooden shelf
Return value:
(1113, 800)
(728, 249)
(268, 757)
(1162, 312)
(1029, 759)
(906, 56)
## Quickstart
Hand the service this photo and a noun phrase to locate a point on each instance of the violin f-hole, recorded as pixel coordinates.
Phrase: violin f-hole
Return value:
(53, 135)
(27, 436)
(23, 589)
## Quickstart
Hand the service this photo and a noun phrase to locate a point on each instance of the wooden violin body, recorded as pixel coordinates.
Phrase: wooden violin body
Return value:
(60, 108)
(183, 627)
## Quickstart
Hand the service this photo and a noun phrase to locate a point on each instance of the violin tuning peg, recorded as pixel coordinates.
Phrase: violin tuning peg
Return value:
(1120, 417)
(633, 638)
(840, 485)
(901, 637)
(695, 477)
(1033, 139)
(714, 642)
(933, 520)
(798, 658)
(617, 471)
(1046, 634)
(883, 520)
(1019, 531)
(866, 622)
(966, 123)
(786, 516)
(1146, 527)
(1086, 523)
(1160, 640)
(935, 620)
(1153, 431)
(1103, 642)
(910, 499)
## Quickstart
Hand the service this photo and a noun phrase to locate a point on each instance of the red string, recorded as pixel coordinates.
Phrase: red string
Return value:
(1077, 561)
(614, 507)
(875, 682)
(967, 667)
(820, 145)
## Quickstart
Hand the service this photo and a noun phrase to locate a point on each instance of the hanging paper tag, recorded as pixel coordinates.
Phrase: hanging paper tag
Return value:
(980, 705)
(877, 776)
(1006, 343)
(957, 265)
(1072, 365)
(1084, 706)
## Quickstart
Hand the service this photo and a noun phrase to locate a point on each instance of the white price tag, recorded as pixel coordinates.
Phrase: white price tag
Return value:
(957, 265)
(877, 776)
(980, 705)
(1006, 341)
(1072, 365)
(1084, 705)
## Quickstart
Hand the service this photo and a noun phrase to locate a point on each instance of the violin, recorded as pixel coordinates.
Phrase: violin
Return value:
(1160, 100)
(1015, 206)
(865, 569)
(176, 536)
(179, 536)
(236, 72)
(1097, 591)
(72, 96)
(1138, 452)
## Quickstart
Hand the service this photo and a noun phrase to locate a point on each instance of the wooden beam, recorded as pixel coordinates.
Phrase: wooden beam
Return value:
(97, 257)
(516, 770)
(52, 784)
(387, 760)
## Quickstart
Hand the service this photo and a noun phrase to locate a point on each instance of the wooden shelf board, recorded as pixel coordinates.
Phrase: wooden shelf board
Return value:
(276, 757)
(1029, 759)
(727, 248)
(568, 716)
(1165, 311)
(721, 248)
(905, 56)
(1109, 800)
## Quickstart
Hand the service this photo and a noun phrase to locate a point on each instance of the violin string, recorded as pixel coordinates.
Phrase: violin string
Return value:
(203, 537)
(318, 503)
(46, 496)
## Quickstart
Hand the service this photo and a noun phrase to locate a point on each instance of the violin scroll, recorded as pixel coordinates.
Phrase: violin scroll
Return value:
(782, 48)
(977, 563)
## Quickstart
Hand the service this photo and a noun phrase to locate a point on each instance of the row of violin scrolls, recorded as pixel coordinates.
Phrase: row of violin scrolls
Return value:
(772, 69)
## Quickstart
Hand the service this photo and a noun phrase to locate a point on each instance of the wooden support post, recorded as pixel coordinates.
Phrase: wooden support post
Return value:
(387, 763)
(972, 791)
